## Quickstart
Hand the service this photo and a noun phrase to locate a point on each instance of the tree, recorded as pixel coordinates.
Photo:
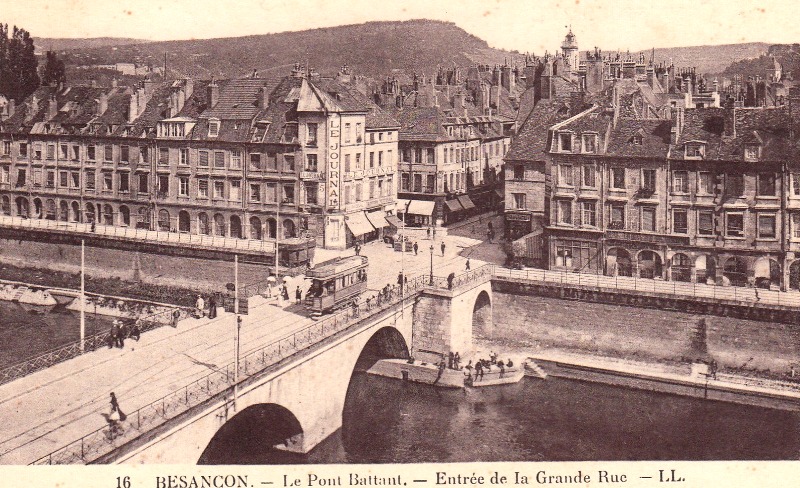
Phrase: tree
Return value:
(18, 64)
(53, 71)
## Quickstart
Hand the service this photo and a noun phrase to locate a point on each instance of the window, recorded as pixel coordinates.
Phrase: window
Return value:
(272, 193)
(565, 142)
(751, 152)
(37, 177)
(796, 184)
(589, 178)
(255, 161)
(359, 191)
(4, 174)
(64, 151)
(358, 133)
(589, 141)
(124, 153)
(311, 139)
(51, 179)
(288, 162)
(184, 156)
(705, 183)
(617, 178)
(311, 162)
(236, 191)
(680, 182)
(63, 179)
(519, 172)
(144, 183)
(183, 186)
(648, 219)
(372, 188)
(346, 163)
(565, 212)
(519, 200)
(108, 181)
(404, 182)
(766, 184)
(90, 179)
(565, 174)
(236, 159)
(23, 149)
(202, 159)
(588, 214)
(796, 225)
(389, 156)
(76, 153)
(91, 152)
(6, 148)
(213, 128)
(163, 156)
(680, 221)
(431, 184)
(417, 183)
(51, 151)
(358, 161)
(21, 177)
(144, 153)
(649, 180)
(311, 193)
(124, 182)
(734, 225)
(108, 152)
(371, 159)
(705, 222)
(202, 188)
(695, 150)
(735, 185)
(255, 192)
(163, 185)
(219, 189)
(219, 159)
(348, 133)
(766, 226)
(288, 193)
(617, 216)
(431, 156)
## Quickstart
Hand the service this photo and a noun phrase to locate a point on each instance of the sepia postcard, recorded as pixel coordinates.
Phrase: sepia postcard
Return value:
(315, 244)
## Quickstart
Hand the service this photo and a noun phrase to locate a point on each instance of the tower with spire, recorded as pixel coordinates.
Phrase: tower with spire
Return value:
(569, 49)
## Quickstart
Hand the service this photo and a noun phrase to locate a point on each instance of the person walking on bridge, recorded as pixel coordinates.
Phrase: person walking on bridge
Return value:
(443, 247)
(298, 295)
(467, 264)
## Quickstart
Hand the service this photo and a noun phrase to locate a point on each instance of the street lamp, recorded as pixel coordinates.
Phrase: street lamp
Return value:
(431, 264)
(238, 328)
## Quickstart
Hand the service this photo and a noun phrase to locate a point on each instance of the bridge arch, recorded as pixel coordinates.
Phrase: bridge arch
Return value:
(264, 431)
(482, 324)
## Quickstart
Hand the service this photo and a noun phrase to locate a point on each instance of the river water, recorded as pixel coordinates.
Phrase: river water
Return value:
(387, 420)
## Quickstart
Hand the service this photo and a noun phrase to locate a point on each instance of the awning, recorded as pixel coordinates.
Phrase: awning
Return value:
(453, 205)
(377, 219)
(420, 207)
(358, 224)
(394, 221)
(465, 202)
(401, 205)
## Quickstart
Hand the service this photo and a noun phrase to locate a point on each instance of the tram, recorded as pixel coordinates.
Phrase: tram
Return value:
(336, 283)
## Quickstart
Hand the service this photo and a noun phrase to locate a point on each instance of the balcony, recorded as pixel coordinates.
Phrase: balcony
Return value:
(623, 235)
(312, 176)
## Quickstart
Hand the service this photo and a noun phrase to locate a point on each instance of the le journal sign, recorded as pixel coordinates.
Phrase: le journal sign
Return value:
(334, 147)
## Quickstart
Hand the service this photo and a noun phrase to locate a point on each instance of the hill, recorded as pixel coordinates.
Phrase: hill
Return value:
(373, 49)
(710, 59)
(786, 54)
(44, 44)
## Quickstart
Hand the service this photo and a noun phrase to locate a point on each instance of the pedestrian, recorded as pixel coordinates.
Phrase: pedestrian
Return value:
(298, 295)
(112, 336)
(285, 293)
(416, 248)
(450, 360)
(478, 370)
(94, 226)
(429, 232)
(123, 334)
(136, 332)
(212, 306)
(450, 278)
(200, 306)
(443, 247)
(358, 250)
(489, 235)
(456, 361)
(467, 264)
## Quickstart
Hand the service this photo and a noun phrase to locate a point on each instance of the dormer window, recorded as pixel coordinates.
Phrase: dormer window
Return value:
(589, 143)
(565, 142)
(637, 140)
(213, 128)
(752, 152)
(695, 151)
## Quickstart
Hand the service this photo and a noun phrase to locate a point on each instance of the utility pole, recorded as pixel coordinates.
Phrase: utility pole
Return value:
(83, 296)
(238, 327)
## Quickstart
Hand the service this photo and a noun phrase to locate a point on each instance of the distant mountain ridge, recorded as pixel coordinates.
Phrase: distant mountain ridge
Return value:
(788, 55)
(44, 44)
(374, 49)
(710, 60)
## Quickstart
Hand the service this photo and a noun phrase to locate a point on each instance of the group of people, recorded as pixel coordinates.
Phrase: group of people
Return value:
(119, 332)
(200, 306)
(483, 366)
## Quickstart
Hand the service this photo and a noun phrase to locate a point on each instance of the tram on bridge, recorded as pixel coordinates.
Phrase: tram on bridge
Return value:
(336, 283)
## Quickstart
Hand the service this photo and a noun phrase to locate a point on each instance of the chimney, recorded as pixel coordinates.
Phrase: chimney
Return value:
(213, 93)
(12, 107)
(113, 83)
(677, 124)
(34, 109)
(188, 84)
(458, 101)
(133, 108)
(52, 108)
(102, 104)
(730, 121)
(264, 98)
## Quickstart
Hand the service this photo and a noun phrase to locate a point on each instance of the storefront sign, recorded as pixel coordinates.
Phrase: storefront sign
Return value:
(334, 147)
(518, 217)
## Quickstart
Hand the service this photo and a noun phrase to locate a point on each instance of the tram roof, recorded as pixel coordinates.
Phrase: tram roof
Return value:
(333, 267)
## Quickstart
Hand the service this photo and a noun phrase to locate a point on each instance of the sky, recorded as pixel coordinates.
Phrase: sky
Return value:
(527, 26)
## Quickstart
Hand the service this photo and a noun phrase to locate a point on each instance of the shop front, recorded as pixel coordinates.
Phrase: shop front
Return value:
(518, 224)
(360, 230)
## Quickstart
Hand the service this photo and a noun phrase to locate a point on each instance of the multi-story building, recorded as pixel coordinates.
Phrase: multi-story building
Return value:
(244, 158)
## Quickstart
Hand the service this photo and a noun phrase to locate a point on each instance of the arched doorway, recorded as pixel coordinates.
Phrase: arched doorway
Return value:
(705, 267)
(735, 271)
(108, 214)
(23, 207)
(63, 211)
(618, 262)
(794, 275)
(289, 228)
(75, 212)
(271, 228)
(649, 264)
(163, 220)
(255, 228)
(184, 221)
(260, 434)
(203, 225)
(482, 324)
(124, 216)
(90, 212)
(38, 209)
(219, 225)
(236, 227)
(144, 218)
(5, 205)
(681, 267)
(50, 209)
(767, 273)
